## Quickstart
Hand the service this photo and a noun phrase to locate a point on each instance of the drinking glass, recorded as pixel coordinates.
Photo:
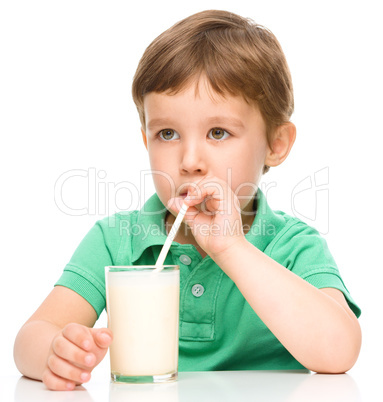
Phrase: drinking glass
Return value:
(143, 314)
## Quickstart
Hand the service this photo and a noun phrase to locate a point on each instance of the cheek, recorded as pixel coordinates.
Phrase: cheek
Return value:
(162, 169)
(246, 174)
(164, 184)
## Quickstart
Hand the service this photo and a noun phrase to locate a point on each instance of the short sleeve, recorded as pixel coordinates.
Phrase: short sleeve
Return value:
(302, 250)
(85, 272)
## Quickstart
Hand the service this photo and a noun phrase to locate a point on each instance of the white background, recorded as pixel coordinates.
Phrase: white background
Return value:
(65, 79)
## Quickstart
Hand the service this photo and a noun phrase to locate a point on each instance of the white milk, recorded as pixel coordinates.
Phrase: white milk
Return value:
(143, 310)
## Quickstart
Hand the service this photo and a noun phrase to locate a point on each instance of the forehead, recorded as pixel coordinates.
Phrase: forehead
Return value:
(199, 87)
(199, 98)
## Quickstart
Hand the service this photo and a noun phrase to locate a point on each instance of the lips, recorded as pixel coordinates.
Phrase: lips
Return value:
(183, 191)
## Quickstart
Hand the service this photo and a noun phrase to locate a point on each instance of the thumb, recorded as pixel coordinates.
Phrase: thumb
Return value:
(102, 337)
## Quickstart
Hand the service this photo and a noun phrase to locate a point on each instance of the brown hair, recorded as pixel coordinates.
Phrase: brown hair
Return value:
(238, 57)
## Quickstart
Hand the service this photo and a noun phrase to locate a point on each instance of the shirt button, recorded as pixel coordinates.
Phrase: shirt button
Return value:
(185, 259)
(198, 290)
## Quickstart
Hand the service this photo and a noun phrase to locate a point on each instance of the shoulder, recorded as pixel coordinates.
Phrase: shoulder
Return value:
(294, 228)
(296, 241)
(105, 237)
(115, 221)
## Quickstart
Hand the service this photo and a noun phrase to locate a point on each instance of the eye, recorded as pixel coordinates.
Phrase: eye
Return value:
(168, 134)
(218, 133)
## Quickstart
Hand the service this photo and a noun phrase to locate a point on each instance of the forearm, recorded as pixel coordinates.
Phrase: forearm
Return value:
(312, 326)
(32, 346)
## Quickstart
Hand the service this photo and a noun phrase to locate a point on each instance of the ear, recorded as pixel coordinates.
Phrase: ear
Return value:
(144, 138)
(283, 140)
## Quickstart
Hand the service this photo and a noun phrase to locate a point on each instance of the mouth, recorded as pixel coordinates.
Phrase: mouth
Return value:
(184, 191)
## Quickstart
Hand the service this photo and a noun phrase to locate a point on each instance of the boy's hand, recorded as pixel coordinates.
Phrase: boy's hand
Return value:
(75, 352)
(214, 215)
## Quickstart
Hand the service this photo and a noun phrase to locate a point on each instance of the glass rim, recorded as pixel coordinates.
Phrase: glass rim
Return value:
(139, 268)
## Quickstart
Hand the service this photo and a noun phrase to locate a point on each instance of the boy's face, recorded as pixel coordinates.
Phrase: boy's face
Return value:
(192, 134)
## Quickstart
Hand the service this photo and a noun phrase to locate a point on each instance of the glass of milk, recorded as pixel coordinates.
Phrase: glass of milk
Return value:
(143, 314)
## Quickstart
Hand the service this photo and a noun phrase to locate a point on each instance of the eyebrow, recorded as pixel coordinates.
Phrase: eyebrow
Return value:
(159, 122)
(214, 121)
(226, 120)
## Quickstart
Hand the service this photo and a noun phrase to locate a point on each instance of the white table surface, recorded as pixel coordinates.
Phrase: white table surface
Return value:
(217, 386)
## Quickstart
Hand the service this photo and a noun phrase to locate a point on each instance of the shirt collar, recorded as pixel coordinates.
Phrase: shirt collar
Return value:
(266, 224)
(149, 229)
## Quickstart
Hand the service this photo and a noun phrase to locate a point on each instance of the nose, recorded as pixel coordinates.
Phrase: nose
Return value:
(193, 158)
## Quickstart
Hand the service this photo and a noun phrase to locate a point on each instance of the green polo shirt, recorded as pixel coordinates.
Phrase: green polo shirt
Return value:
(218, 328)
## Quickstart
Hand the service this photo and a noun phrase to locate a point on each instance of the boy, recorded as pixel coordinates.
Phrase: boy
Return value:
(259, 289)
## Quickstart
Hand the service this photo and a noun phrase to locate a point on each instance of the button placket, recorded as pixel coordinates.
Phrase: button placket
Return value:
(197, 314)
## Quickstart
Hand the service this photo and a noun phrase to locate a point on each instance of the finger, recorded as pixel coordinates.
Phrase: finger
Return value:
(65, 370)
(190, 216)
(212, 204)
(56, 383)
(79, 335)
(102, 337)
(65, 349)
(208, 191)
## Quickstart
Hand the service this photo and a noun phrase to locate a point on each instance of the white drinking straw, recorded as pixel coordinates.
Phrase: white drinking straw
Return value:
(170, 238)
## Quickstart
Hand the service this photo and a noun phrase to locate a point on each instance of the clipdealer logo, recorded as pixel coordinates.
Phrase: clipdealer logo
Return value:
(309, 197)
